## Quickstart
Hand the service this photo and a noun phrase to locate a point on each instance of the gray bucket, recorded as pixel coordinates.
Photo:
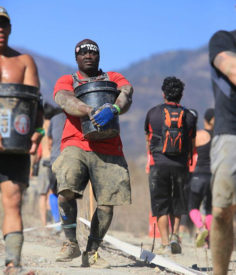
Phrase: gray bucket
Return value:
(18, 109)
(96, 94)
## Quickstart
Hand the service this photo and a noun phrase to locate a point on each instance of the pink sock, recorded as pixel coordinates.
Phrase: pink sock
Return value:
(208, 220)
(196, 217)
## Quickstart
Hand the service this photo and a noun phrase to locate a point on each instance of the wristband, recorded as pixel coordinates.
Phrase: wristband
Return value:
(40, 130)
(117, 108)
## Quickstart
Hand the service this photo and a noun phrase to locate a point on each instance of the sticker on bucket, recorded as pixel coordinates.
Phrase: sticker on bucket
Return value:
(5, 123)
(22, 124)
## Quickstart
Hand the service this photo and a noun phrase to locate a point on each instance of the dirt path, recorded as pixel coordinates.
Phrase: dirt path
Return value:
(42, 245)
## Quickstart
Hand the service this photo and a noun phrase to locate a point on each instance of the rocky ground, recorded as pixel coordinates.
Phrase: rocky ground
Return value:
(41, 246)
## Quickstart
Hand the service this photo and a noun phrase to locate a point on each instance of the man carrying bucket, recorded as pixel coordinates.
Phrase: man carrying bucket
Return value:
(14, 168)
(100, 161)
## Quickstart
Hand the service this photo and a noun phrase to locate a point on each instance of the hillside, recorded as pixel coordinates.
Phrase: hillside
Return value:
(146, 76)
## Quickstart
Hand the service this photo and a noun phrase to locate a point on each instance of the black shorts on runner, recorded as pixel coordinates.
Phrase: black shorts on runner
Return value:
(200, 191)
(166, 186)
(15, 167)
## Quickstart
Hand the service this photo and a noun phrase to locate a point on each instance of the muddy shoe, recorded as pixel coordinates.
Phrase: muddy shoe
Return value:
(163, 250)
(69, 251)
(93, 259)
(17, 270)
(12, 270)
(175, 244)
(201, 237)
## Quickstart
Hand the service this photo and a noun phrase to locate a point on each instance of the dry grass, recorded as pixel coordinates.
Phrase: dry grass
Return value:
(134, 218)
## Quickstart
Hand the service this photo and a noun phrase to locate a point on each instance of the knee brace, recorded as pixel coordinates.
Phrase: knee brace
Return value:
(68, 213)
(13, 246)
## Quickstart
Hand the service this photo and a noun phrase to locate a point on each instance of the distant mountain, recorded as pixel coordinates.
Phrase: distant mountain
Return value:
(146, 76)
(191, 67)
(49, 71)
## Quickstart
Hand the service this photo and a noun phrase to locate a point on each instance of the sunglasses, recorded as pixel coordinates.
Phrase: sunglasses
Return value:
(4, 23)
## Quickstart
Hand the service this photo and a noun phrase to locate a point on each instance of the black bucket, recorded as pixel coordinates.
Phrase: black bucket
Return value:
(18, 109)
(96, 94)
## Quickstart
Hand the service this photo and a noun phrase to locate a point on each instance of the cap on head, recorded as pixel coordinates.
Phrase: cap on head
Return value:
(209, 114)
(3, 12)
(86, 44)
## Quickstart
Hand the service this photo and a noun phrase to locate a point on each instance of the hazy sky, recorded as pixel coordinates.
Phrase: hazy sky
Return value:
(126, 30)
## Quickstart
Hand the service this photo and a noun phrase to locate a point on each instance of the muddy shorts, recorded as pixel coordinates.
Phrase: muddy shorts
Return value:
(166, 186)
(223, 168)
(43, 177)
(15, 167)
(108, 174)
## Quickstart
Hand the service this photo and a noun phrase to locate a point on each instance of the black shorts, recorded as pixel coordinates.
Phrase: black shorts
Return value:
(167, 190)
(15, 167)
(200, 191)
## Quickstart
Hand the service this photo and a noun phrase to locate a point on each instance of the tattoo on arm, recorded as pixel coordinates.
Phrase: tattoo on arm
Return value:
(72, 105)
(124, 99)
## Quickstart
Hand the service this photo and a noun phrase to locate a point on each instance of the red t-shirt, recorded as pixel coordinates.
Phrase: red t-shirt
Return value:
(72, 134)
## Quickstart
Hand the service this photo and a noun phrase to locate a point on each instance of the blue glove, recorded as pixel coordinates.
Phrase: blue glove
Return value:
(104, 114)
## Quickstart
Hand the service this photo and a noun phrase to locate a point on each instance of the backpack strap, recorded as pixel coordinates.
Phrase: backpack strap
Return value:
(76, 80)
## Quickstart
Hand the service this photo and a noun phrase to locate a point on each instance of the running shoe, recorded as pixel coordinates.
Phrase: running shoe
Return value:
(68, 252)
(163, 250)
(175, 244)
(201, 237)
(17, 270)
(93, 259)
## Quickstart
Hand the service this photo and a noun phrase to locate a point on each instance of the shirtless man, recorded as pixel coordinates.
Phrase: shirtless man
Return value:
(20, 69)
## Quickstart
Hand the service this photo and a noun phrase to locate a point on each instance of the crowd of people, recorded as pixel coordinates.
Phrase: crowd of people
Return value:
(68, 159)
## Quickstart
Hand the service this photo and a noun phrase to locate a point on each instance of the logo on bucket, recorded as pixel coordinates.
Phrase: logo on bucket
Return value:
(22, 124)
(5, 123)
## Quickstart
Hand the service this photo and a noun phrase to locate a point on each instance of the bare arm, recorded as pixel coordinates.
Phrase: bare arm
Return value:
(50, 144)
(147, 143)
(226, 63)
(202, 137)
(193, 144)
(72, 105)
(124, 99)
(31, 73)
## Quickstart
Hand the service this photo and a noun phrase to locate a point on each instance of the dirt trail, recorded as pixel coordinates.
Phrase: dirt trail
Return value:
(41, 246)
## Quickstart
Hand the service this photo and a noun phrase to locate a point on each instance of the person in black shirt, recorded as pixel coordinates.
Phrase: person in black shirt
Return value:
(169, 165)
(200, 188)
(222, 55)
